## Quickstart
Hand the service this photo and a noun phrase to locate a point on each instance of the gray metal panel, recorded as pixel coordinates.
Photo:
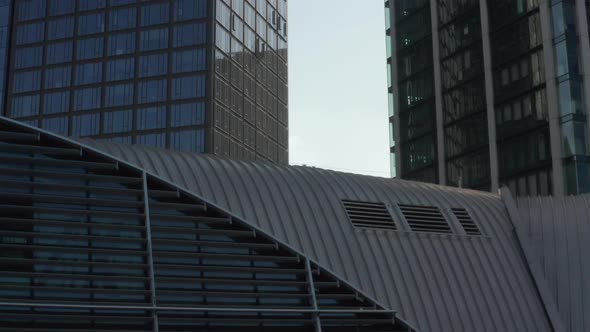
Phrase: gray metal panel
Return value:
(442, 282)
(555, 233)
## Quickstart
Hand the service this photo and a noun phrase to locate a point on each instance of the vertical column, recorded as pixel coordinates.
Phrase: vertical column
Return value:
(552, 98)
(489, 86)
(440, 131)
(395, 91)
(584, 44)
(6, 14)
(148, 227)
(318, 324)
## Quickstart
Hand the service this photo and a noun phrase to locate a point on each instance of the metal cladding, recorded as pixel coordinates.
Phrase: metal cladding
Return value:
(438, 281)
(90, 243)
(555, 233)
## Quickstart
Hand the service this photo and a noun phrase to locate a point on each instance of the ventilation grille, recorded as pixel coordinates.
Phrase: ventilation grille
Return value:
(466, 221)
(368, 215)
(425, 219)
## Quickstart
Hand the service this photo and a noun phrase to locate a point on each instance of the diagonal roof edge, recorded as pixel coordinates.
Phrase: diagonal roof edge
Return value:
(540, 284)
(194, 195)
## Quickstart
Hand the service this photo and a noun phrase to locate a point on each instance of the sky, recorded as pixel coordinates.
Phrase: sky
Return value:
(338, 117)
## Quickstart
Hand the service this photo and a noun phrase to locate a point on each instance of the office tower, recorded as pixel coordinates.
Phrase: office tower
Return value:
(490, 93)
(195, 75)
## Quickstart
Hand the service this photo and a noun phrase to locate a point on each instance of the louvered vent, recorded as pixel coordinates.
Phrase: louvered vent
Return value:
(368, 215)
(466, 221)
(425, 219)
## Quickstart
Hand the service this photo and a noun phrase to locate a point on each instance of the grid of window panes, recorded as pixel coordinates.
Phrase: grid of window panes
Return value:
(250, 89)
(125, 70)
(463, 94)
(417, 113)
(5, 17)
(571, 101)
(522, 122)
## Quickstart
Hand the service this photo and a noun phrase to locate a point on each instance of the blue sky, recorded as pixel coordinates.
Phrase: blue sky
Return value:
(338, 85)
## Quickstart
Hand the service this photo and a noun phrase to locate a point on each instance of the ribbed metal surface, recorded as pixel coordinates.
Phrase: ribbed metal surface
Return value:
(556, 237)
(97, 245)
(440, 282)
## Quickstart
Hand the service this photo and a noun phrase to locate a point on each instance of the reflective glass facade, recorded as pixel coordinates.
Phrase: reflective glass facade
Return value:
(250, 81)
(88, 243)
(415, 91)
(533, 91)
(153, 73)
(520, 94)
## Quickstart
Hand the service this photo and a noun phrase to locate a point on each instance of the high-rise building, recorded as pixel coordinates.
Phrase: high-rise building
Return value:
(196, 75)
(490, 93)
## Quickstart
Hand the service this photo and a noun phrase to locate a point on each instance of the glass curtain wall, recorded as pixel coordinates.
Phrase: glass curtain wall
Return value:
(251, 99)
(5, 18)
(417, 114)
(125, 70)
(463, 94)
(571, 98)
(522, 121)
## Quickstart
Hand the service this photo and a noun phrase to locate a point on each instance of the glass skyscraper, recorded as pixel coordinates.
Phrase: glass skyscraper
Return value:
(490, 93)
(194, 75)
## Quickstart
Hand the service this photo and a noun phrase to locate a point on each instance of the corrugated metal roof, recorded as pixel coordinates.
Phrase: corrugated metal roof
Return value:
(555, 233)
(439, 282)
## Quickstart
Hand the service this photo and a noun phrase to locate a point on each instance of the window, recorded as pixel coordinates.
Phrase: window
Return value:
(90, 48)
(117, 122)
(189, 9)
(58, 77)
(152, 91)
(86, 99)
(59, 53)
(85, 125)
(28, 57)
(30, 9)
(119, 95)
(155, 14)
(122, 19)
(190, 34)
(90, 23)
(89, 73)
(122, 69)
(30, 33)
(25, 106)
(154, 39)
(61, 7)
(90, 4)
(189, 140)
(123, 43)
(60, 28)
(223, 39)
(151, 118)
(188, 114)
(188, 87)
(57, 102)
(56, 125)
(191, 60)
(153, 65)
(155, 140)
(27, 81)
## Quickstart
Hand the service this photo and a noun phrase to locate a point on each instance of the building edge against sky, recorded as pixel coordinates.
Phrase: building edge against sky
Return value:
(490, 93)
(197, 75)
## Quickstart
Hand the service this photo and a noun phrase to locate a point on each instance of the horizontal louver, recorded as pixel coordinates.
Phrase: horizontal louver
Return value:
(466, 221)
(425, 219)
(368, 215)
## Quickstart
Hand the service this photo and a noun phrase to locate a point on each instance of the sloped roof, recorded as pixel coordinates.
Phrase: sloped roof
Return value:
(440, 282)
(555, 233)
